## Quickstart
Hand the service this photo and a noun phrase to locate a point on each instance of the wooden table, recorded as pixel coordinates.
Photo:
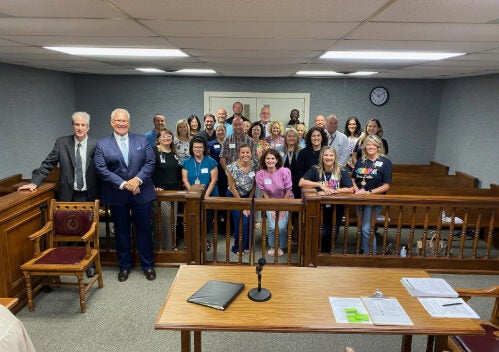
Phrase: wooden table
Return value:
(302, 293)
(9, 302)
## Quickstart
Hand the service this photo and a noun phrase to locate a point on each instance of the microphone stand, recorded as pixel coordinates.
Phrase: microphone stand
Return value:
(259, 294)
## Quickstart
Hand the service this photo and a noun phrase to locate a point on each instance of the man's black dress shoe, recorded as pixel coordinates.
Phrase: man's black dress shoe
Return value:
(150, 274)
(123, 275)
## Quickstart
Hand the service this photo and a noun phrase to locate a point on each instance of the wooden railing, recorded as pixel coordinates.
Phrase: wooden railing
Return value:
(450, 250)
(411, 221)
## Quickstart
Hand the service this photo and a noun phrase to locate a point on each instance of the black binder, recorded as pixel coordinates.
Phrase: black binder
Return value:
(216, 294)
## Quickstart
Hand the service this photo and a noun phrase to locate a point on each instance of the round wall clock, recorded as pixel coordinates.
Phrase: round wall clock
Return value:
(379, 96)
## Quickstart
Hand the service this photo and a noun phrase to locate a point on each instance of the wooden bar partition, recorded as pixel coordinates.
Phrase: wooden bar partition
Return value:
(21, 214)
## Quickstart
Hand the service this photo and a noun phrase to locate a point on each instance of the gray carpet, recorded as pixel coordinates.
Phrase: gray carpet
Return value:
(121, 316)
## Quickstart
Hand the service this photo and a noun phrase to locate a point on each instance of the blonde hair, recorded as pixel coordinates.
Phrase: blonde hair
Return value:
(336, 165)
(285, 145)
(279, 123)
(180, 122)
(376, 140)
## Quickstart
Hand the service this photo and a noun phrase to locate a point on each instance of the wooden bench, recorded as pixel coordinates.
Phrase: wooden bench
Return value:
(460, 179)
(431, 168)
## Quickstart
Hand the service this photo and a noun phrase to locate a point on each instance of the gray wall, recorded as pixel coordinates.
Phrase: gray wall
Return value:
(35, 108)
(424, 120)
(468, 128)
(409, 117)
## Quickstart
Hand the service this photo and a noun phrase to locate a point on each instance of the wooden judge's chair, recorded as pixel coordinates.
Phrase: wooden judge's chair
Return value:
(479, 343)
(69, 222)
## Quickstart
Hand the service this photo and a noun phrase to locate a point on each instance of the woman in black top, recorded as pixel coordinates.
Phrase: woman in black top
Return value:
(166, 176)
(309, 156)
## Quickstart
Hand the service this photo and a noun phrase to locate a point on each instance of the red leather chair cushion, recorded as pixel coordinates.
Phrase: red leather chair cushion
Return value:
(63, 255)
(72, 223)
(480, 343)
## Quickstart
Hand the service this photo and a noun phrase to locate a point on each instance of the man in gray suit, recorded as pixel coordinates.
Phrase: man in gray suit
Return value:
(75, 155)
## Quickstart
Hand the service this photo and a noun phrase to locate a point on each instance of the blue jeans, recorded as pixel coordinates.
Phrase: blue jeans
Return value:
(366, 226)
(234, 215)
(283, 229)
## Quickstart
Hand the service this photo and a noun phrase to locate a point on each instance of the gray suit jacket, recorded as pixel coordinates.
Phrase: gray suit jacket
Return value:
(63, 154)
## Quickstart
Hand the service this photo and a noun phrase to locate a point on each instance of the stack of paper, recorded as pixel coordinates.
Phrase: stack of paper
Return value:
(438, 298)
(428, 287)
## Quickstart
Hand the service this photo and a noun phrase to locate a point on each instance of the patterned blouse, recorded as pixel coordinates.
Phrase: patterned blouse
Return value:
(244, 181)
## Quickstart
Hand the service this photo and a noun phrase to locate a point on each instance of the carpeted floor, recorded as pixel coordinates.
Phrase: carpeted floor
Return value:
(120, 317)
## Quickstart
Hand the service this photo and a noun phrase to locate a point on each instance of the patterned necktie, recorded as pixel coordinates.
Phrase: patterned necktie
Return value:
(124, 149)
(79, 169)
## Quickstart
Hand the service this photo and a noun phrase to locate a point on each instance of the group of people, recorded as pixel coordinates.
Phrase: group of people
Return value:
(231, 156)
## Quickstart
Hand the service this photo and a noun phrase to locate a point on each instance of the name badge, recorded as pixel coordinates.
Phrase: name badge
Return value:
(251, 174)
(204, 170)
(267, 181)
(378, 164)
(216, 146)
(232, 145)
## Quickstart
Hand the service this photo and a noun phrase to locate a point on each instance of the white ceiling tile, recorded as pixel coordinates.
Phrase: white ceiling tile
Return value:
(280, 30)
(251, 44)
(255, 10)
(71, 27)
(427, 31)
(59, 8)
(460, 11)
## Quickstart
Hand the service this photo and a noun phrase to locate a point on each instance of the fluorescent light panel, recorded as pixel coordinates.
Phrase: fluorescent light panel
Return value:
(135, 52)
(333, 73)
(195, 70)
(388, 55)
(149, 70)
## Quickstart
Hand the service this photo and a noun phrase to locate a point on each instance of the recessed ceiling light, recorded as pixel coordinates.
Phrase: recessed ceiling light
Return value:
(388, 55)
(90, 51)
(333, 73)
(196, 70)
(149, 70)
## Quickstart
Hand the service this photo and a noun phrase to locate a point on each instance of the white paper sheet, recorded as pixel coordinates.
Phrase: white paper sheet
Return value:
(437, 309)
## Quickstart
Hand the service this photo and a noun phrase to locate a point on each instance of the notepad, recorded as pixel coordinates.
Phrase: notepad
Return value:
(216, 294)
(428, 287)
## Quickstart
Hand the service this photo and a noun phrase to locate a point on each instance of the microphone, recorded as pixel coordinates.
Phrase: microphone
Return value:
(259, 294)
(260, 265)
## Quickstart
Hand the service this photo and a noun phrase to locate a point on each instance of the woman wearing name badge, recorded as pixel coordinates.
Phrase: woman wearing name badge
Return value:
(275, 140)
(328, 178)
(201, 169)
(275, 183)
(372, 174)
(214, 147)
(241, 177)
(166, 176)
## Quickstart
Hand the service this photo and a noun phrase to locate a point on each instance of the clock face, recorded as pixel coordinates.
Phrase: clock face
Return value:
(379, 96)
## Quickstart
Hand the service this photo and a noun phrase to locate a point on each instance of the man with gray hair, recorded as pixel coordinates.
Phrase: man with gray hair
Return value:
(336, 139)
(75, 155)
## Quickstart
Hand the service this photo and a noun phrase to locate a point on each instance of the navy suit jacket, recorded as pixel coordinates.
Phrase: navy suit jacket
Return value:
(113, 171)
(63, 154)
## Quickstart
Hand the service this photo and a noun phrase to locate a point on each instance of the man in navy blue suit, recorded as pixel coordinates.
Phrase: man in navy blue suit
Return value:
(125, 162)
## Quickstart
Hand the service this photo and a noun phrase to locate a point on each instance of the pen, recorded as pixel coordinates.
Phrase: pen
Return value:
(451, 304)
